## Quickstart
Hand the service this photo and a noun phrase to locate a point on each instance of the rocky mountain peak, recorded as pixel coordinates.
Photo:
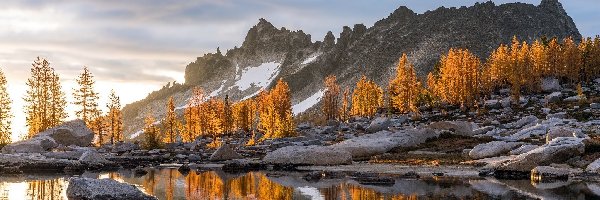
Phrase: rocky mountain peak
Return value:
(551, 4)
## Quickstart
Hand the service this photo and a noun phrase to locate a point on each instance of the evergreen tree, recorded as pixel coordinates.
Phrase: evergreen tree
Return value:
(5, 113)
(44, 101)
(227, 116)
(367, 97)
(345, 108)
(115, 118)
(152, 138)
(85, 96)
(275, 110)
(459, 79)
(331, 100)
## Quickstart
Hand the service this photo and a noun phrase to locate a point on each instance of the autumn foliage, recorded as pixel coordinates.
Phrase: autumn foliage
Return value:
(405, 88)
(331, 99)
(366, 98)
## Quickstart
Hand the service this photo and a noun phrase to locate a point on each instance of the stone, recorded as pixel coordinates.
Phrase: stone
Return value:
(365, 146)
(594, 167)
(553, 97)
(559, 115)
(458, 127)
(557, 151)
(225, 152)
(92, 158)
(523, 149)
(122, 147)
(533, 131)
(308, 155)
(492, 104)
(87, 188)
(70, 133)
(575, 98)
(34, 145)
(379, 124)
(540, 173)
(561, 131)
(492, 149)
(527, 120)
(194, 158)
(550, 84)
(595, 105)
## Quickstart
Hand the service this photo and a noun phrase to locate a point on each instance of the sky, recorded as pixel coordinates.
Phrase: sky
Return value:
(137, 46)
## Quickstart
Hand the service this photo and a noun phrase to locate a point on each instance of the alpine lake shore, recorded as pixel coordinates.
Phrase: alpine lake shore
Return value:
(547, 137)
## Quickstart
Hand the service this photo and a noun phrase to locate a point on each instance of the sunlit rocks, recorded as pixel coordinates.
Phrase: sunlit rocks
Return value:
(35, 145)
(70, 133)
(88, 189)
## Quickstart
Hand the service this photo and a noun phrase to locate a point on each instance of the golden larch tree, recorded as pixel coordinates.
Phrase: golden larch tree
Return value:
(345, 108)
(275, 111)
(5, 113)
(170, 123)
(152, 139)
(459, 80)
(331, 99)
(405, 88)
(85, 97)
(572, 60)
(44, 100)
(115, 118)
(367, 97)
(227, 116)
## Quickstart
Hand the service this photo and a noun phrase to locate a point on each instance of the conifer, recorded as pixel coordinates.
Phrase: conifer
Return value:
(115, 118)
(85, 96)
(5, 113)
(330, 103)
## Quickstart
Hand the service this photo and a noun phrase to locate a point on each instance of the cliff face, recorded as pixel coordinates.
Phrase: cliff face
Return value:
(269, 53)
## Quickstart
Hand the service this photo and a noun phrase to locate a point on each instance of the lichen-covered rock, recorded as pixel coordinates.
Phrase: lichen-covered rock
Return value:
(379, 124)
(365, 146)
(550, 84)
(308, 155)
(92, 157)
(492, 149)
(557, 151)
(34, 145)
(225, 152)
(561, 131)
(70, 133)
(106, 189)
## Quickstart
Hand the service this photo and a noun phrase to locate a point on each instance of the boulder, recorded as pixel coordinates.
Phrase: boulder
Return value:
(34, 145)
(537, 130)
(561, 131)
(225, 152)
(365, 146)
(553, 97)
(540, 173)
(557, 151)
(525, 121)
(595, 106)
(550, 84)
(594, 167)
(70, 133)
(575, 98)
(308, 155)
(92, 158)
(88, 189)
(122, 147)
(523, 149)
(492, 104)
(458, 127)
(379, 124)
(492, 149)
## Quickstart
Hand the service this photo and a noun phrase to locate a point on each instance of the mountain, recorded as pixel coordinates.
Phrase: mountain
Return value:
(269, 53)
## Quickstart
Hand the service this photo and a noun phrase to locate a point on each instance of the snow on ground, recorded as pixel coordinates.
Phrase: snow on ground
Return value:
(310, 59)
(251, 95)
(138, 133)
(217, 91)
(260, 76)
(307, 103)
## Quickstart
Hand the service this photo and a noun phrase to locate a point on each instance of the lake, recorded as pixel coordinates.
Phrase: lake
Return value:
(170, 184)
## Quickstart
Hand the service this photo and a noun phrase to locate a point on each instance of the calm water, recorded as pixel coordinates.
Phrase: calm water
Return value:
(170, 184)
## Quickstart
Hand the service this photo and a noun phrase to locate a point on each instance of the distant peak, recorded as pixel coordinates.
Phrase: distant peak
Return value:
(402, 12)
(262, 22)
(551, 4)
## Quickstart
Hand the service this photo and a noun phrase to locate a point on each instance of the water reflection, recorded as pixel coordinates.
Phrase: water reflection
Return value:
(169, 184)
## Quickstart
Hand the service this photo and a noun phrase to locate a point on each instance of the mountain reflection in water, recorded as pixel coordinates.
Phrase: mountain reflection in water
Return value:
(170, 184)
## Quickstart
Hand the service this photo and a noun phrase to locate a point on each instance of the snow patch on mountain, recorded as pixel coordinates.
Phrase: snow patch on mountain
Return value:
(310, 59)
(307, 103)
(260, 76)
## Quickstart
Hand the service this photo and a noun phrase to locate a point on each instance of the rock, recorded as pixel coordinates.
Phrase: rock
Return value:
(92, 158)
(595, 105)
(70, 133)
(34, 145)
(89, 189)
(458, 127)
(122, 147)
(553, 97)
(540, 173)
(559, 115)
(365, 146)
(575, 98)
(523, 149)
(528, 120)
(561, 131)
(537, 130)
(557, 151)
(225, 152)
(594, 167)
(194, 158)
(154, 151)
(492, 104)
(492, 149)
(304, 126)
(379, 124)
(505, 102)
(184, 169)
(550, 84)
(308, 155)
(69, 155)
